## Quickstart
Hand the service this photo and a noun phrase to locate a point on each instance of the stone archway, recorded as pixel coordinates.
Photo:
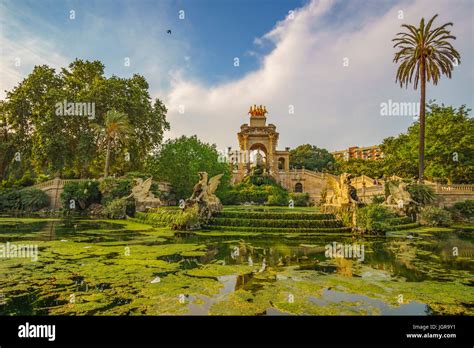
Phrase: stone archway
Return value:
(298, 187)
(281, 164)
(258, 151)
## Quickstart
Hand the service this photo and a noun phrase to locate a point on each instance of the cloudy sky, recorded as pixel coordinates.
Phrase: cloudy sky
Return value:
(321, 67)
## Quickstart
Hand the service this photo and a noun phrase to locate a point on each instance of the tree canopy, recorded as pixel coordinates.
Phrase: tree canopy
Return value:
(180, 160)
(311, 157)
(449, 146)
(49, 143)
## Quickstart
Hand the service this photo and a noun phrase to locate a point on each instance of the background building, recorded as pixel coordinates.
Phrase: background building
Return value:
(366, 153)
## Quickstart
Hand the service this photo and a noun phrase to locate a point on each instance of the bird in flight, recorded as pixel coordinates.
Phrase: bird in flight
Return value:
(168, 31)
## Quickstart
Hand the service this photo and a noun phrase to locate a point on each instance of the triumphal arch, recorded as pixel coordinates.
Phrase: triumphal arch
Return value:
(258, 145)
(259, 139)
(258, 142)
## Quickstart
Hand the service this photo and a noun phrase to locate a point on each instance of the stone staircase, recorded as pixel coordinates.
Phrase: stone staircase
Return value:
(276, 221)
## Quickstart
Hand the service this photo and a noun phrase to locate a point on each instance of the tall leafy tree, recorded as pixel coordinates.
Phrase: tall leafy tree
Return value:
(449, 144)
(311, 157)
(424, 53)
(114, 132)
(51, 144)
(180, 160)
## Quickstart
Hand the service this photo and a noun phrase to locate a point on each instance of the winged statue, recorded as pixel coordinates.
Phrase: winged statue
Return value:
(143, 197)
(399, 194)
(343, 191)
(203, 195)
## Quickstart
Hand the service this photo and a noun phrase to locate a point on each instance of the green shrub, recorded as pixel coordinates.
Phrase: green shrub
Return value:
(258, 189)
(279, 229)
(229, 197)
(112, 189)
(29, 199)
(463, 211)
(422, 194)
(9, 199)
(176, 219)
(378, 199)
(119, 208)
(306, 223)
(434, 216)
(300, 199)
(82, 193)
(374, 218)
(32, 199)
(276, 215)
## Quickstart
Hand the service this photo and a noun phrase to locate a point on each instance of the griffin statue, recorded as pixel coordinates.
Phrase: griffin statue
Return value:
(399, 195)
(343, 192)
(144, 199)
(203, 196)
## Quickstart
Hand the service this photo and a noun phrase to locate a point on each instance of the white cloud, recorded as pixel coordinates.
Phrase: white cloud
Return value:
(335, 106)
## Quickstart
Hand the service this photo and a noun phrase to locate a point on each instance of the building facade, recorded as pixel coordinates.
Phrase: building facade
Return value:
(373, 153)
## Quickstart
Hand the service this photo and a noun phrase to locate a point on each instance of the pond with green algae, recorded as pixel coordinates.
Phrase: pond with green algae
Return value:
(112, 267)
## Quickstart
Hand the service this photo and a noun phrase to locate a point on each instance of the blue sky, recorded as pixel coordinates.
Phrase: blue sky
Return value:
(284, 61)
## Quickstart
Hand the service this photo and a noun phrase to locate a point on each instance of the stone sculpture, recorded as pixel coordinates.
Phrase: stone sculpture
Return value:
(144, 199)
(343, 192)
(204, 198)
(399, 195)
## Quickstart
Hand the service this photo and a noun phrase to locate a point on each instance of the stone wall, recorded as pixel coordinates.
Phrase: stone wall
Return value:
(314, 183)
(54, 188)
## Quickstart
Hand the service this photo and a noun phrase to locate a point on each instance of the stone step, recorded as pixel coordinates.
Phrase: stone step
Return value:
(277, 230)
(277, 223)
(276, 215)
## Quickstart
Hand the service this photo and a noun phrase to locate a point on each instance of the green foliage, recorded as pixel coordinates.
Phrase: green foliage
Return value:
(112, 189)
(378, 199)
(83, 193)
(374, 218)
(357, 167)
(33, 199)
(434, 216)
(119, 208)
(180, 160)
(305, 223)
(300, 199)
(463, 211)
(422, 194)
(176, 219)
(290, 229)
(9, 199)
(29, 199)
(30, 118)
(275, 215)
(259, 189)
(115, 132)
(449, 153)
(311, 157)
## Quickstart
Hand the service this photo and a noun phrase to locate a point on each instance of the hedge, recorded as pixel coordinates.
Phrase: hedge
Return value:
(273, 216)
(276, 229)
(275, 223)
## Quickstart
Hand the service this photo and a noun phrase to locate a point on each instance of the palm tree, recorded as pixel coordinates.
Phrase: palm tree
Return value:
(426, 54)
(115, 130)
